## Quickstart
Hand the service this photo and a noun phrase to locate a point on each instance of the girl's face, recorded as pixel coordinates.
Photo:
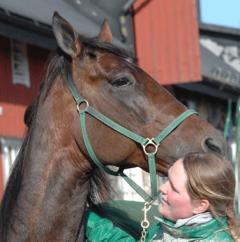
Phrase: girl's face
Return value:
(176, 202)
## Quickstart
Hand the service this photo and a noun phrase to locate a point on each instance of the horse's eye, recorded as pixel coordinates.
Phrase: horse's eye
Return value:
(120, 82)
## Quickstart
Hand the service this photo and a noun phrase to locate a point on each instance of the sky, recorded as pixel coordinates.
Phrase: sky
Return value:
(221, 12)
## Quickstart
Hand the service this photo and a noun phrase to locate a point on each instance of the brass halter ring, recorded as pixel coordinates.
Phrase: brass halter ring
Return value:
(150, 142)
(84, 103)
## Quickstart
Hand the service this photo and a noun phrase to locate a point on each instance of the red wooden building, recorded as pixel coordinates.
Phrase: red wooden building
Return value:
(167, 40)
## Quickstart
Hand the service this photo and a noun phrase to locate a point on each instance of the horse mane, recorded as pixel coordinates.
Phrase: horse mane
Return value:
(99, 188)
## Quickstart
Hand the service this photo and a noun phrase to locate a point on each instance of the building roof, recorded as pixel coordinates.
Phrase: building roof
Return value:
(18, 19)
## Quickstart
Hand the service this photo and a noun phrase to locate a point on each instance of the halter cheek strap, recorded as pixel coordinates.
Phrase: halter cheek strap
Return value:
(83, 108)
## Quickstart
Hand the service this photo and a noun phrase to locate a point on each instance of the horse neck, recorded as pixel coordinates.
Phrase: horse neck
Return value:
(53, 194)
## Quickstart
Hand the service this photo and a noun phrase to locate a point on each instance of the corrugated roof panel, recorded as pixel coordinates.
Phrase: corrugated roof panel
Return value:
(85, 16)
(167, 40)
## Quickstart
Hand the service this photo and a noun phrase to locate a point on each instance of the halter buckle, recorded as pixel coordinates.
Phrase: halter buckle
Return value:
(150, 142)
(82, 106)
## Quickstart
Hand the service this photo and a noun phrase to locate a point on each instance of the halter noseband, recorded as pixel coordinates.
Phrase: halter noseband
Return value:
(145, 142)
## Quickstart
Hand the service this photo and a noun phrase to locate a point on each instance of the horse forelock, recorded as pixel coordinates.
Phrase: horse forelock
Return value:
(108, 47)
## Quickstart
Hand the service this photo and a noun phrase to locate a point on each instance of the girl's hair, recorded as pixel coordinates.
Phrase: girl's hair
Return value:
(211, 177)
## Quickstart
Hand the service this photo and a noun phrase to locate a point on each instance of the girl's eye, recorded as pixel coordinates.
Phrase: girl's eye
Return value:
(172, 187)
(91, 54)
(120, 82)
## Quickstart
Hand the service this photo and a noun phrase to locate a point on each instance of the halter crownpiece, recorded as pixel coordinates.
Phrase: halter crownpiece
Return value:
(83, 107)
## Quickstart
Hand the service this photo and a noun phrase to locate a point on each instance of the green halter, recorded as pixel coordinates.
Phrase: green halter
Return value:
(155, 142)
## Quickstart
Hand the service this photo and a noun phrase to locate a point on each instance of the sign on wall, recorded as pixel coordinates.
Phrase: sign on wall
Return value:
(19, 62)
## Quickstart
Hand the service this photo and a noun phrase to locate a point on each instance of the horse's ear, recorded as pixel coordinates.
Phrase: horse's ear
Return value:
(68, 40)
(105, 32)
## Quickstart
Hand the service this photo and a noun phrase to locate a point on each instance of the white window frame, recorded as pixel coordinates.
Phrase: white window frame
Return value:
(10, 148)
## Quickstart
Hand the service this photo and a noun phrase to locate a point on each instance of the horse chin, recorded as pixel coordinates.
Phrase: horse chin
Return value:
(162, 167)
(162, 173)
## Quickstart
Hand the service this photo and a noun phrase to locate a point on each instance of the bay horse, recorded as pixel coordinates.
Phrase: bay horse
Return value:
(53, 176)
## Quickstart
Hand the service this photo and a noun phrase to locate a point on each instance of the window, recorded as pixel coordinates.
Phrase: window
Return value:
(136, 174)
(10, 148)
(123, 191)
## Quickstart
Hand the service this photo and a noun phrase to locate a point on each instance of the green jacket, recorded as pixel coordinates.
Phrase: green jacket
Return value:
(122, 225)
(214, 230)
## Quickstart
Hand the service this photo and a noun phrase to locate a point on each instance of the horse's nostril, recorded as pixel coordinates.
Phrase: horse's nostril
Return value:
(211, 145)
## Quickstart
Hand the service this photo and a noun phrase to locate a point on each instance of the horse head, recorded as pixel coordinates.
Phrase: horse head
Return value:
(109, 79)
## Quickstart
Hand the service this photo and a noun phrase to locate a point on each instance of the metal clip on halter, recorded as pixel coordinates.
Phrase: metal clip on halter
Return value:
(82, 106)
(151, 143)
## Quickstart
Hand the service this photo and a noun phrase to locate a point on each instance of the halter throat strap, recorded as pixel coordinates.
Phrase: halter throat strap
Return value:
(83, 108)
